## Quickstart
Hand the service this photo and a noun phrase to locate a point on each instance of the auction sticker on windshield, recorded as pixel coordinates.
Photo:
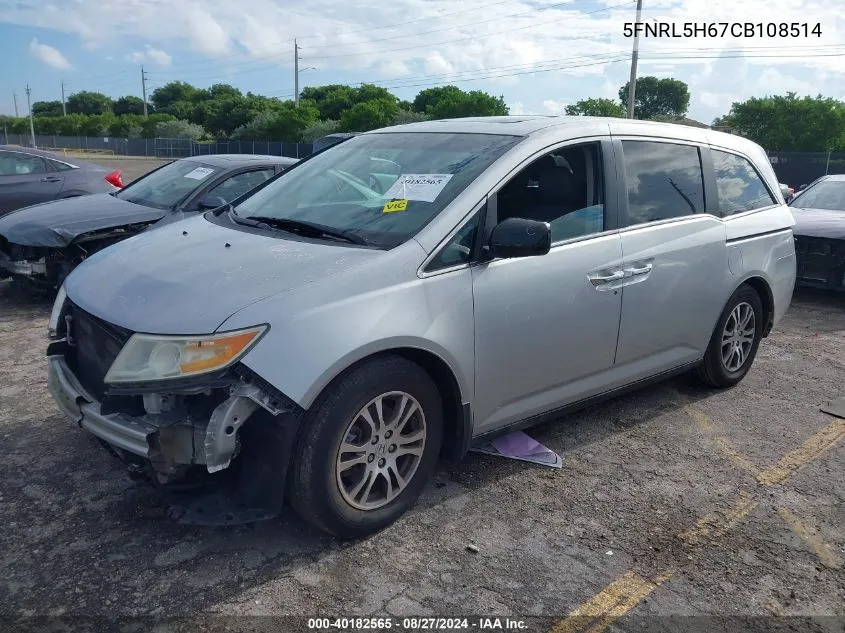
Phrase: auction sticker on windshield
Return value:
(199, 173)
(395, 205)
(422, 187)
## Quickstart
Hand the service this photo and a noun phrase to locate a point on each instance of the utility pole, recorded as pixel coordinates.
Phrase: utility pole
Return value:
(144, 90)
(15, 97)
(29, 106)
(64, 107)
(632, 83)
(295, 74)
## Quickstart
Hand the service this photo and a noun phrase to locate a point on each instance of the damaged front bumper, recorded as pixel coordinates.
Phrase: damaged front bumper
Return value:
(21, 267)
(248, 431)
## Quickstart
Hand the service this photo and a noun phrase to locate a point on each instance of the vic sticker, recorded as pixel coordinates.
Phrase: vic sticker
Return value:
(199, 173)
(395, 205)
(423, 187)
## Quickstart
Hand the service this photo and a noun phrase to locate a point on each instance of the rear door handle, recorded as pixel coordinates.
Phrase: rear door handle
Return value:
(50, 179)
(602, 280)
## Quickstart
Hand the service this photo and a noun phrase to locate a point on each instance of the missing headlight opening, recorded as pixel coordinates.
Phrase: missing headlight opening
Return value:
(178, 433)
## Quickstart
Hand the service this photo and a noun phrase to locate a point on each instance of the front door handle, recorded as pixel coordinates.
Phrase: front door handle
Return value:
(50, 179)
(601, 280)
(638, 270)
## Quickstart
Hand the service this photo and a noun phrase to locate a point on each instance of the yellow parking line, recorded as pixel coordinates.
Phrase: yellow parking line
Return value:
(703, 422)
(716, 524)
(827, 555)
(809, 450)
(611, 603)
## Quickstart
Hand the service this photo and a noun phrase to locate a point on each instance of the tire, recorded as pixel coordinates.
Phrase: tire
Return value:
(714, 371)
(321, 490)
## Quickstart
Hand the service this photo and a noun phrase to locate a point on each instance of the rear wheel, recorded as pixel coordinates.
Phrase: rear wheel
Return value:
(733, 345)
(368, 448)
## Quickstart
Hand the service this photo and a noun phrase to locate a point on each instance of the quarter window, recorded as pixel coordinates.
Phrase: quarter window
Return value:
(459, 249)
(664, 180)
(57, 166)
(739, 185)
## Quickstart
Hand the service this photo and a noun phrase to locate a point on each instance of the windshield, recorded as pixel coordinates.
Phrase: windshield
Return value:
(168, 186)
(828, 194)
(381, 188)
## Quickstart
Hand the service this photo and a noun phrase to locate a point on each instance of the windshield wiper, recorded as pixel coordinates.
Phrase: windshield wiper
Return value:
(308, 229)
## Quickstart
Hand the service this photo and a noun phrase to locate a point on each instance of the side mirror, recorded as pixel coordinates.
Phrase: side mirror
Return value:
(212, 202)
(518, 237)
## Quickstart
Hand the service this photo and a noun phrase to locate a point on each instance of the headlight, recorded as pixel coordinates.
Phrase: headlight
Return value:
(58, 304)
(148, 357)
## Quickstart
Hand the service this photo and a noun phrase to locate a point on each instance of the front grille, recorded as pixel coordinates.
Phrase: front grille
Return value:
(820, 261)
(95, 345)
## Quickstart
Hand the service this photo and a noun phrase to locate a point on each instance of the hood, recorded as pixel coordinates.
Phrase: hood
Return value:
(58, 223)
(190, 276)
(819, 223)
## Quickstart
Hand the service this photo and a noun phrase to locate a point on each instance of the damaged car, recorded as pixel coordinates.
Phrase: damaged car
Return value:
(819, 230)
(41, 244)
(411, 293)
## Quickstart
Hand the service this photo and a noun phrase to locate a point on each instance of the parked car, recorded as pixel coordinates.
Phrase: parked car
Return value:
(29, 176)
(322, 338)
(819, 230)
(43, 243)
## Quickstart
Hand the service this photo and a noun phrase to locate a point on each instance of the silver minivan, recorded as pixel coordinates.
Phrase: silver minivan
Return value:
(412, 292)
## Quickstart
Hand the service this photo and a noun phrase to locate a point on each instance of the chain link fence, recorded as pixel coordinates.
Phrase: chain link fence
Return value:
(792, 168)
(156, 147)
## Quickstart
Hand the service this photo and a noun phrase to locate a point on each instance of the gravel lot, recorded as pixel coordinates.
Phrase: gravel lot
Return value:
(672, 501)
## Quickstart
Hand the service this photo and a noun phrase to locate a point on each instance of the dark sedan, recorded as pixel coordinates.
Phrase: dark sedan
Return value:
(819, 230)
(29, 176)
(41, 244)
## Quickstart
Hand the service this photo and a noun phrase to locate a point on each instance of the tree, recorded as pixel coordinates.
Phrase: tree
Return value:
(407, 116)
(128, 105)
(47, 108)
(596, 107)
(319, 130)
(86, 102)
(669, 97)
(430, 97)
(285, 124)
(787, 123)
(172, 92)
(475, 103)
(369, 115)
(331, 101)
(179, 129)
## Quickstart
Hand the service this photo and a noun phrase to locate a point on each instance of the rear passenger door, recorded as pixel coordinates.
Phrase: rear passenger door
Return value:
(674, 255)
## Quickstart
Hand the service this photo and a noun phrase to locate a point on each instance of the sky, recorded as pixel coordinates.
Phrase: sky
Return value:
(540, 55)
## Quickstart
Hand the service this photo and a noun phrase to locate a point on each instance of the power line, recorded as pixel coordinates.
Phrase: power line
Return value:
(403, 24)
(452, 28)
(469, 37)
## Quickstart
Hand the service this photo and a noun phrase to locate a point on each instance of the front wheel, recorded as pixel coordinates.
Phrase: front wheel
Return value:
(368, 448)
(735, 340)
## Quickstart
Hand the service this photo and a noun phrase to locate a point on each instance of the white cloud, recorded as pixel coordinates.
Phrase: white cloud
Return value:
(48, 55)
(150, 54)
(517, 108)
(555, 107)
(530, 50)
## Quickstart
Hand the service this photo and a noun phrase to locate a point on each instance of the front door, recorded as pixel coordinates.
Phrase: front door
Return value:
(546, 326)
